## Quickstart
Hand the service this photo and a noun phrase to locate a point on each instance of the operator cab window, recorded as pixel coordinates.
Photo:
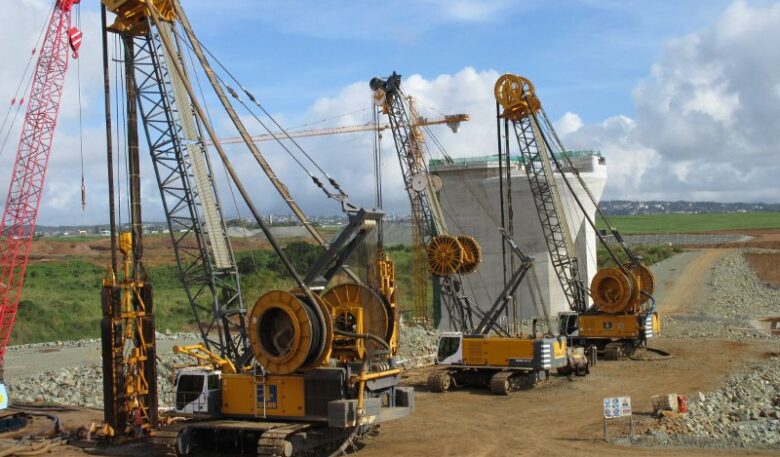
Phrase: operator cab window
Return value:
(448, 345)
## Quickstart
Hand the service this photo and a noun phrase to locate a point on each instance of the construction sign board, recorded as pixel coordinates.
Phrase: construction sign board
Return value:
(617, 407)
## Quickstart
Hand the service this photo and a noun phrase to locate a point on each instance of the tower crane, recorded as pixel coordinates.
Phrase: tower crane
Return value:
(32, 156)
(301, 370)
(481, 352)
(453, 121)
(622, 316)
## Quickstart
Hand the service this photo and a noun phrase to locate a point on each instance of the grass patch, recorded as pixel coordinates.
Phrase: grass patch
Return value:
(693, 223)
(649, 254)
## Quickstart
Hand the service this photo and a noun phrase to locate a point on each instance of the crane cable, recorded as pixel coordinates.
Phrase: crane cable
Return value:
(538, 301)
(22, 87)
(339, 193)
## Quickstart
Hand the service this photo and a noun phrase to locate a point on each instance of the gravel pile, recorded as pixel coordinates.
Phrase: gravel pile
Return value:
(745, 413)
(736, 296)
(83, 386)
(167, 336)
(417, 345)
(683, 239)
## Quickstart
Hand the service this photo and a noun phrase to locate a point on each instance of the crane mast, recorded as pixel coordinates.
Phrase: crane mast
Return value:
(623, 315)
(537, 160)
(29, 171)
(448, 256)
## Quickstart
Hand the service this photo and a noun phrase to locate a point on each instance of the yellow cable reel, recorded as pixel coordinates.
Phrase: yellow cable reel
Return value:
(472, 254)
(358, 309)
(646, 281)
(445, 255)
(286, 333)
(517, 96)
(613, 291)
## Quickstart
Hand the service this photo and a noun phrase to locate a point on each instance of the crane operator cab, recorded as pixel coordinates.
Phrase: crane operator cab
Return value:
(198, 391)
(568, 324)
(449, 349)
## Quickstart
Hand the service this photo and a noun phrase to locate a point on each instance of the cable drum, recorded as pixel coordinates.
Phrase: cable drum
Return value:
(286, 333)
(613, 291)
(346, 299)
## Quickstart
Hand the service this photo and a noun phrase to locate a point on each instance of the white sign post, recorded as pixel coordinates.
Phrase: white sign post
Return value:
(615, 407)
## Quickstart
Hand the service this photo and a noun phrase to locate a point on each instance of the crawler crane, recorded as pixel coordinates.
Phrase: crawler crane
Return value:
(28, 177)
(482, 352)
(622, 316)
(305, 370)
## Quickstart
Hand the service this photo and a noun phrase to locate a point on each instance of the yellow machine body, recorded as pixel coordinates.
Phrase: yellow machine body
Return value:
(614, 326)
(500, 352)
(256, 396)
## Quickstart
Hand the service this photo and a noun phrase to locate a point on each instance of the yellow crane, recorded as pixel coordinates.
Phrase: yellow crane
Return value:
(451, 120)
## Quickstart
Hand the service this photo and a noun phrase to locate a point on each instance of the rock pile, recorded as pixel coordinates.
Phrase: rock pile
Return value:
(83, 386)
(744, 413)
(736, 295)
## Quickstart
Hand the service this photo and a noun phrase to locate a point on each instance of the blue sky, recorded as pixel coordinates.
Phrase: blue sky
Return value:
(585, 55)
(681, 96)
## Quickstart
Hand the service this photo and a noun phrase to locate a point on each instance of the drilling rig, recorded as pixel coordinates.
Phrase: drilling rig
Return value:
(622, 316)
(482, 352)
(307, 369)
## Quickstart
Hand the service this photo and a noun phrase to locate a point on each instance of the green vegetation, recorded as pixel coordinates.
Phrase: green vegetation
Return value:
(61, 299)
(692, 223)
(649, 254)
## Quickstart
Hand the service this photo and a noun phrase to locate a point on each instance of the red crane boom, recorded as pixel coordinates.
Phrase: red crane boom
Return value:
(32, 157)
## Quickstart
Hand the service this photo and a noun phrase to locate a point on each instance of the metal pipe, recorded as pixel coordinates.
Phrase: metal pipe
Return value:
(109, 140)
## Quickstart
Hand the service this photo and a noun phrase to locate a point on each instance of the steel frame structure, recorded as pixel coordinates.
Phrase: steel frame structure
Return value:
(214, 293)
(538, 168)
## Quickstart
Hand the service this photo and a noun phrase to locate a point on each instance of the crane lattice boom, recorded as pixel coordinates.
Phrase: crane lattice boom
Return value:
(32, 157)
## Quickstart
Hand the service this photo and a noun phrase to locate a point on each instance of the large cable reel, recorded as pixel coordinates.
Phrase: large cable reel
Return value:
(617, 290)
(472, 254)
(358, 311)
(288, 333)
(445, 255)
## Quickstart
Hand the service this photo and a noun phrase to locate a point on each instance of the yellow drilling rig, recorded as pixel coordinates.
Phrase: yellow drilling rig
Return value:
(481, 352)
(309, 369)
(622, 316)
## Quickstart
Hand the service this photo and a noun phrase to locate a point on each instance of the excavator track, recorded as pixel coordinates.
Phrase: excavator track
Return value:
(440, 381)
(275, 442)
(618, 350)
(501, 382)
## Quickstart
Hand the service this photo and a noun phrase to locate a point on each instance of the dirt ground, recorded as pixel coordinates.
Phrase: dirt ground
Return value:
(766, 266)
(158, 249)
(563, 417)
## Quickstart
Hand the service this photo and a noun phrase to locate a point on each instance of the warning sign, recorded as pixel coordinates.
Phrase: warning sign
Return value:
(617, 407)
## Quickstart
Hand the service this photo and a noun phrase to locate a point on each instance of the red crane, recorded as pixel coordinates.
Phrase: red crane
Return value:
(32, 157)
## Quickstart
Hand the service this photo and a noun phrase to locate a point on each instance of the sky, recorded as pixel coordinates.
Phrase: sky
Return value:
(680, 96)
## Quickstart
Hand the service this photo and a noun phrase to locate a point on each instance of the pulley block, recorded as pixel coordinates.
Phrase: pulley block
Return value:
(517, 96)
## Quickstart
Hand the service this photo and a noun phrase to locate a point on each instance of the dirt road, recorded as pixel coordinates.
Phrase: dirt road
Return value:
(686, 284)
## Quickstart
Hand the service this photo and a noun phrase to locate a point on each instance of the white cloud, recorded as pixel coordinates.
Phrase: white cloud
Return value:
(568, 124)
(706, 122)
